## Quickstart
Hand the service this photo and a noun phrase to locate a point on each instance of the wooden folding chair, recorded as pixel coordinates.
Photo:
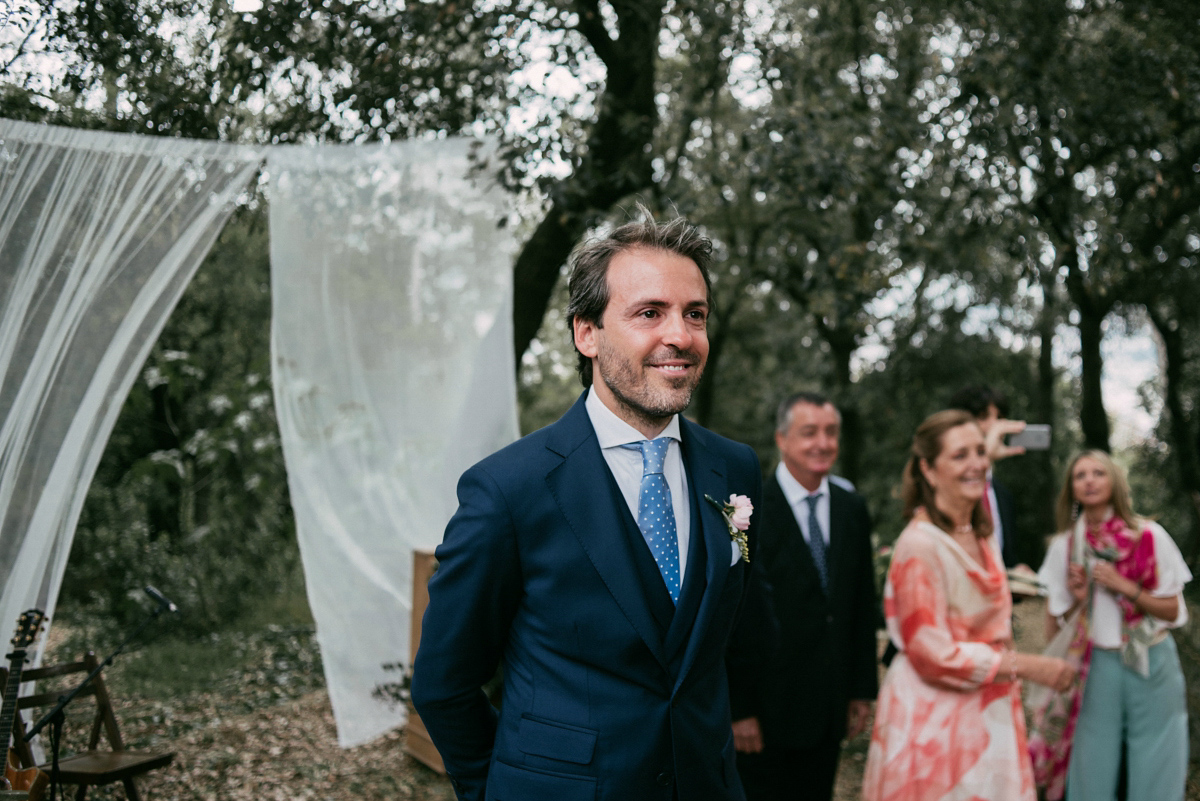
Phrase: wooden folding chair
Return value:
(95, 766)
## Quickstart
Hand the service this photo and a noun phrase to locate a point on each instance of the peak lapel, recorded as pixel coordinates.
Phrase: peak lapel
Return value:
(585, 492)
(706, 476)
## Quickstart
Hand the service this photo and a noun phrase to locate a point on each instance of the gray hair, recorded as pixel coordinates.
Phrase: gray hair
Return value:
(783, 415)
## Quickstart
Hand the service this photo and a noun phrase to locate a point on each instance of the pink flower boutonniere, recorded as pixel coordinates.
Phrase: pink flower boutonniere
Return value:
(736, 511)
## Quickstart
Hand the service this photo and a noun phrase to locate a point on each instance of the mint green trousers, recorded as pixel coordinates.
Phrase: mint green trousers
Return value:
(1149, 715)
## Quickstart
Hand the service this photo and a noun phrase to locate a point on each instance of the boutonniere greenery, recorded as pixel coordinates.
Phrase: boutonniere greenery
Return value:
(736, 511)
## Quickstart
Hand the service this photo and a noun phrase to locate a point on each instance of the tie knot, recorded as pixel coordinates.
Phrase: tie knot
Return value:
(654, 453)
(812, 500)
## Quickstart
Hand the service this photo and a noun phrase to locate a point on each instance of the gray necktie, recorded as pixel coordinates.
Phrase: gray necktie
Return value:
(816, 539)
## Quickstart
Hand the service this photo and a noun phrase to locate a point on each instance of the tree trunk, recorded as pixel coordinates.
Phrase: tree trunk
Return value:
(1092, 417)
(1040, 510)
(1183, 443)
(842, 343)
(615, 164)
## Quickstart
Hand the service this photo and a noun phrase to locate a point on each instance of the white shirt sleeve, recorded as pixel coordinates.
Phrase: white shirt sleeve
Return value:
(1173, 572)
(1053, 574)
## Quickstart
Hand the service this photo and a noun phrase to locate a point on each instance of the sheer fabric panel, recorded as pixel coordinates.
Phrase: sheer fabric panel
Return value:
(393, 373)
(99, 235)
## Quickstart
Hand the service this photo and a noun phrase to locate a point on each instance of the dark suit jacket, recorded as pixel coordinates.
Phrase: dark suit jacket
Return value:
(610, 692)
(1006, 509)
(826, 654)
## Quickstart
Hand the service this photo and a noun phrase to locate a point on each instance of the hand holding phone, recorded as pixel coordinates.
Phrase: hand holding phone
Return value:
(1034, 437)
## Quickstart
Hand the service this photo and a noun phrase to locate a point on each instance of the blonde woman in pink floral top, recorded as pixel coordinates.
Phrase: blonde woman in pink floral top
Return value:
(948, 723)
(1118, 580)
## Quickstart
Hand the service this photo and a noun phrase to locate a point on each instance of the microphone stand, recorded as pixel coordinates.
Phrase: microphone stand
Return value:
(56, 716)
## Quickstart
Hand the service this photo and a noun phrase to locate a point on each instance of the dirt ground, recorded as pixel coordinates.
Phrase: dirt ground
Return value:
(267, 732)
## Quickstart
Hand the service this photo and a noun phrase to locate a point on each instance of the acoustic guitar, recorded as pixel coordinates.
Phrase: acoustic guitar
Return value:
(30, 781)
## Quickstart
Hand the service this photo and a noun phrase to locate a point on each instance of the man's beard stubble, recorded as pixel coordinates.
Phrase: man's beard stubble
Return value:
(638, 396)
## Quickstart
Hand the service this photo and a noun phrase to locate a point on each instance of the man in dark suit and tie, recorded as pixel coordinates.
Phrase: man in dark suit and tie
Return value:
(596, 562)
(817, 688)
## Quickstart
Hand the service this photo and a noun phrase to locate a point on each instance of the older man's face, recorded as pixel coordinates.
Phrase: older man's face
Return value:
(809, 447)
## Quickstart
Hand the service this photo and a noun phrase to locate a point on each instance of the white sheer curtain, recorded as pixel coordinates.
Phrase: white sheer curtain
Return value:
(393, 372)
(99, 235)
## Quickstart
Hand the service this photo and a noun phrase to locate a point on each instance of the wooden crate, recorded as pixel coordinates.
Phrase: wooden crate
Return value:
(416, 739)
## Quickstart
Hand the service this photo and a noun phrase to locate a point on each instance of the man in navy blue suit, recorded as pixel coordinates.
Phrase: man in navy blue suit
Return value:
(594, 561)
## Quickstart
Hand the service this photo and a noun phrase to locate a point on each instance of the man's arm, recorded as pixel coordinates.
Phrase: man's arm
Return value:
(864, 678)
(472, 600)
(754, 638)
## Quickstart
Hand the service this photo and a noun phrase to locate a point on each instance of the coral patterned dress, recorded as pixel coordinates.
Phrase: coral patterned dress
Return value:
(947, 727)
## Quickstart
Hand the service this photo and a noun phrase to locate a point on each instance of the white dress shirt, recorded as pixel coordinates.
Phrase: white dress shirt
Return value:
(626, 466)
(997, 526)
(1171, 573)
(796, 494)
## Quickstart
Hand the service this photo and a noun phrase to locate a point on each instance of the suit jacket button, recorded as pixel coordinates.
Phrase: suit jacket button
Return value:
(829, 619)
(664, 779)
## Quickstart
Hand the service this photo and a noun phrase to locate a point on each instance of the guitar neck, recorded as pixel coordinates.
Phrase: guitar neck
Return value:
(16, 663)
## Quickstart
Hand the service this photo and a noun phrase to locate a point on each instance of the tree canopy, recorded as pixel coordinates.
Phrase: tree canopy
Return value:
(905, 198)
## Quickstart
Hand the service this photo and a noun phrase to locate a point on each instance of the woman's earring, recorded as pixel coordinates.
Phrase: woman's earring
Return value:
(1076, 508)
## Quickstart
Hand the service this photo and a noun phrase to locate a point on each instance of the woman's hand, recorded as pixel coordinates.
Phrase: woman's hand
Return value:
(1077, 582)
(1048, 670)
(1107, 576)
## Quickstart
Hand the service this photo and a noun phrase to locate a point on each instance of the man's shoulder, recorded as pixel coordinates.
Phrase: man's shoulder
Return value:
(848, 496)
(538, 451)
(714, 443)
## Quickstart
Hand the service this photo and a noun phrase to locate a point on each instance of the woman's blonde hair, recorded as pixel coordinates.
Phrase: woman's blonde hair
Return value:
(1066, 510)
(915, 489)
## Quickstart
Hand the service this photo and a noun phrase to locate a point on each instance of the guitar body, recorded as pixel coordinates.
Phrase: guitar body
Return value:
(18, 782)
(30, 781)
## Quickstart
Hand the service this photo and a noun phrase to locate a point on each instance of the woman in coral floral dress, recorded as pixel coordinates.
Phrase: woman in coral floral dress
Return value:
(949, 724)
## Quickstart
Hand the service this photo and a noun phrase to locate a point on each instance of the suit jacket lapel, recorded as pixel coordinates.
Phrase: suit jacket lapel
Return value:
(706, 476)
(793, 535)
(583, 489)
(837, 545)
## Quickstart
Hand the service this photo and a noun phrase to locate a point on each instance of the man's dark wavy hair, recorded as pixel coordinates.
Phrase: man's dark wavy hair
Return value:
(588, 282)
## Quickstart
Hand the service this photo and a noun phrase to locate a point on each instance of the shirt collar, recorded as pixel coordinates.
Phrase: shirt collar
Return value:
(793, 490)
(612, 431)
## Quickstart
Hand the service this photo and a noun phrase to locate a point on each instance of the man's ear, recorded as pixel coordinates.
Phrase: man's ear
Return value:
(585, 337)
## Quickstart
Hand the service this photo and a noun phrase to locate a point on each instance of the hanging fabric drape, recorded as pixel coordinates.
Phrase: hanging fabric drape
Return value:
(99, 235)
(393, 372)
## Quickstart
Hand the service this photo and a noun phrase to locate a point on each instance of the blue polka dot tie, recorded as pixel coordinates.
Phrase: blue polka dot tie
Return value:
(656, 515)
(816, 538)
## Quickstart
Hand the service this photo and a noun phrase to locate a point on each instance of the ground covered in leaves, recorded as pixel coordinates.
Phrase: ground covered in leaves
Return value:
(248, 716)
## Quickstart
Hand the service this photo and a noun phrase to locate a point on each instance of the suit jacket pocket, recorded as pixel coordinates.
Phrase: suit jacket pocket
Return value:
(510, 783)
(552, 740)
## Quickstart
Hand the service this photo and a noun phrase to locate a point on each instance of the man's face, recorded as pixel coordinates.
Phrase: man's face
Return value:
(809, 447)
(650, 353)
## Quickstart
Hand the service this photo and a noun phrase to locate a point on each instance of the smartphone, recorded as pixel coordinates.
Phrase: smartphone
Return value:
(1035, 437)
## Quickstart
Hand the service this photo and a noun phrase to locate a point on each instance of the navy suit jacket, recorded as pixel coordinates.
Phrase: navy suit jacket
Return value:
(609, 692)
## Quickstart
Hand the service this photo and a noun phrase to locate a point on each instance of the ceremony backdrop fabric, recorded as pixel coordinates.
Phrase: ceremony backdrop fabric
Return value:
(99, 235)
(392, 349)
(393, 372)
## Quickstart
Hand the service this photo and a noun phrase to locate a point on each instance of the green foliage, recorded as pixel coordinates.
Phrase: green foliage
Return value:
(191, 494)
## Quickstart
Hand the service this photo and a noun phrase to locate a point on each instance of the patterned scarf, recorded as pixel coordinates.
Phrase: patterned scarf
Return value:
(1053, 723)
(1132, 555)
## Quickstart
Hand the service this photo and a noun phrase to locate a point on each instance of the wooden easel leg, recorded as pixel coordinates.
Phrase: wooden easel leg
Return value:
(81, 793)
(131, 791)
